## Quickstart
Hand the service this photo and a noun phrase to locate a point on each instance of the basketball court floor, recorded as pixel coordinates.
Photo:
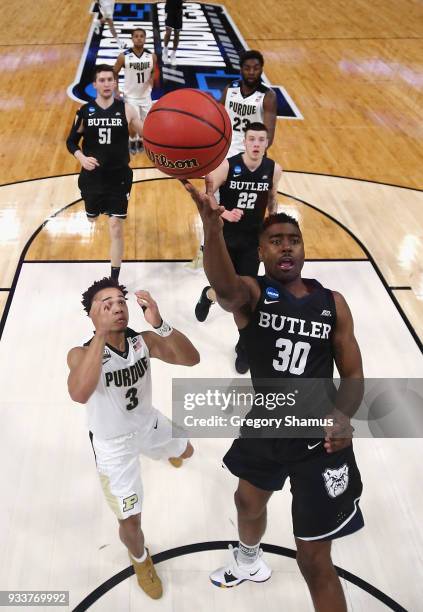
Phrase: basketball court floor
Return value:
(352, 177)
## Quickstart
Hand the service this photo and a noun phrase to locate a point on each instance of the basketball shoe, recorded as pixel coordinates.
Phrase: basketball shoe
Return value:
(203, 305)
(147, 577)
(97, 26)
(173, 58)
(165, 55)
(233, 574)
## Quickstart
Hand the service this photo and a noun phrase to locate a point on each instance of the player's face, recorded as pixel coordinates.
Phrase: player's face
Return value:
(251, 71)
(105, 84)
(256, 144)
(138, 39)
(282, 252)
(118, 306)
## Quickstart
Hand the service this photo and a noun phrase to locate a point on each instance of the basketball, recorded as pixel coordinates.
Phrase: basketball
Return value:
(187, 133)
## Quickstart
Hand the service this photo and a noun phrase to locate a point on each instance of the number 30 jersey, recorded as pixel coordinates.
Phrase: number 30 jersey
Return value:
(248, 191)
(290, 337)
(242, 111)
(121, 402)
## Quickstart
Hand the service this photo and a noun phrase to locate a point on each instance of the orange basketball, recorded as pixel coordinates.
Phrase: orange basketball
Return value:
(187, 133)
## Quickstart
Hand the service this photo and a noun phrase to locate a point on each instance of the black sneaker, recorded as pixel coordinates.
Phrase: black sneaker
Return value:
(133, 149)
(203, 305)
(241, 362)
(140, 146)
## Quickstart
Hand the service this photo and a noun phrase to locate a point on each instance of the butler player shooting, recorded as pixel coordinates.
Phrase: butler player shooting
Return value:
(325, 481)
(105, 179)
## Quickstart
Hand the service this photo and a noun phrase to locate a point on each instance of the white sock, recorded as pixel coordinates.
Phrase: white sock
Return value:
(247, 555)
(141, 559)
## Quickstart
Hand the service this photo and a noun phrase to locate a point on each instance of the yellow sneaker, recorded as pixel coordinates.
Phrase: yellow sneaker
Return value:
(147, 577)
(176, 461)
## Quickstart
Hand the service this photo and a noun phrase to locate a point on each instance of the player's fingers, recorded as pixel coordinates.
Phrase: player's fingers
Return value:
(209, 184)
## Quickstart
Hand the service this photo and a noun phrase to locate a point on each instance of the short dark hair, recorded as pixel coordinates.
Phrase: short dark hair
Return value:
(104, 283)
(247, 55)
(139, 30)
(256, 126)
(277, 218)
(103, 68)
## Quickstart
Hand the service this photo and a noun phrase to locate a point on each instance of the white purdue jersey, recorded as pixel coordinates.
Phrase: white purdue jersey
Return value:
(242, 111)
(121, 402)
(138, 72)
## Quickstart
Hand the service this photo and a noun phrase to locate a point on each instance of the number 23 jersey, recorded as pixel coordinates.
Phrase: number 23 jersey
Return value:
(121, 402)
(242, 111)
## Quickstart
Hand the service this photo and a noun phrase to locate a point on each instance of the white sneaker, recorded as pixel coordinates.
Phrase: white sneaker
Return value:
(121, 44)
(233, 574)
(173, 58)
(97, 25)
(165, 55)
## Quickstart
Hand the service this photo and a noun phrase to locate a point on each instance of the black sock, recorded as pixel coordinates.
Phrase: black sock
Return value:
(115, 272)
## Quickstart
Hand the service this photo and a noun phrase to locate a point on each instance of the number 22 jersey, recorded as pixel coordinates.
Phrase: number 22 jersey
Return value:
(121, 402)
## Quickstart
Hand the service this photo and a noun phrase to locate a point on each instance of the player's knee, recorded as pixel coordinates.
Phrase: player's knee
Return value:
(188, 452)
(115, 226)
(314, 563)
(248, 508)
(131, 525)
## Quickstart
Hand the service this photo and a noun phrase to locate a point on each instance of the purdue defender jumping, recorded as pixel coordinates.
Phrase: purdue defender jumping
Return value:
(248, 100)
(111, 374)
(247, 184)
(292, 327)
(105, 180)
(139, 65)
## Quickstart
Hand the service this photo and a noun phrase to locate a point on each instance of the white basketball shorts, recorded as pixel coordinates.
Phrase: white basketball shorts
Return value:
(107, 8)
(141, 105)
(118, 463)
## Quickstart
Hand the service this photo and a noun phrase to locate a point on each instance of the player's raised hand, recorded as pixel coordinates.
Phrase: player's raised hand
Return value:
(102, 316)
(208, 207)
(339, 435)
(150, 308)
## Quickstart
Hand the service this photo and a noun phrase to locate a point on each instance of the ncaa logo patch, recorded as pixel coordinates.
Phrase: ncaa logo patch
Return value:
(336, 480)
(207, 57)
(237, 170)
(272, 293)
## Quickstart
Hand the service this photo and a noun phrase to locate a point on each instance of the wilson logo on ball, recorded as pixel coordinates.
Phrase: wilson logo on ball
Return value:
(159, 159)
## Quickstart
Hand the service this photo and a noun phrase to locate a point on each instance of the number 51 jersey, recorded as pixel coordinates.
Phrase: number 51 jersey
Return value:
(121, 402)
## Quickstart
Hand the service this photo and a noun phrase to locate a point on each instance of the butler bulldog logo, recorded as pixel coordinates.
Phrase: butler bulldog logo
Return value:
(336, 480)
(207, 57)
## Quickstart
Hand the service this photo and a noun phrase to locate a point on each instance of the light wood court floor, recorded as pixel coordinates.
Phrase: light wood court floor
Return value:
(353, 177)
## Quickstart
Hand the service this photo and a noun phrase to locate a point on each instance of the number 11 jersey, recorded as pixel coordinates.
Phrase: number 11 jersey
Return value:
(121, 402)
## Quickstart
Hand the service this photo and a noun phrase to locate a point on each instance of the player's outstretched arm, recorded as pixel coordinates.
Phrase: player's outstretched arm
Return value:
(270, 109)
(232, 291)
(120, 62)
(350, 367)
(167, 343)
(85, 362)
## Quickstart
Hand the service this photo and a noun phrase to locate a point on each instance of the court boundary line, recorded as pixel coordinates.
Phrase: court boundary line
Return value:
(348, 178)
(187, 549)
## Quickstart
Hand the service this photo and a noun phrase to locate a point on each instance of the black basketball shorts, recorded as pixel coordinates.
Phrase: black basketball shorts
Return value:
(325, 488)
(174, 18)
(106, 191)
(245, 259)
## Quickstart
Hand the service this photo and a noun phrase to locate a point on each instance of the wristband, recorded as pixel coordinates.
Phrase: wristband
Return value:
(164, 329)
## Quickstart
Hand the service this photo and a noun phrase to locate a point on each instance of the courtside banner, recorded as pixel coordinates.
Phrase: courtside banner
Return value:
(207, 56)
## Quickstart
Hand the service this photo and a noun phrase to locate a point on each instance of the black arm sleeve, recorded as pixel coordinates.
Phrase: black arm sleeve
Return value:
(74, 137)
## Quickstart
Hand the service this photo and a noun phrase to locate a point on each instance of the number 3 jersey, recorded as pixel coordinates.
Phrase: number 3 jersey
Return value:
(121, 402)
(248, 191)
(242, 111)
